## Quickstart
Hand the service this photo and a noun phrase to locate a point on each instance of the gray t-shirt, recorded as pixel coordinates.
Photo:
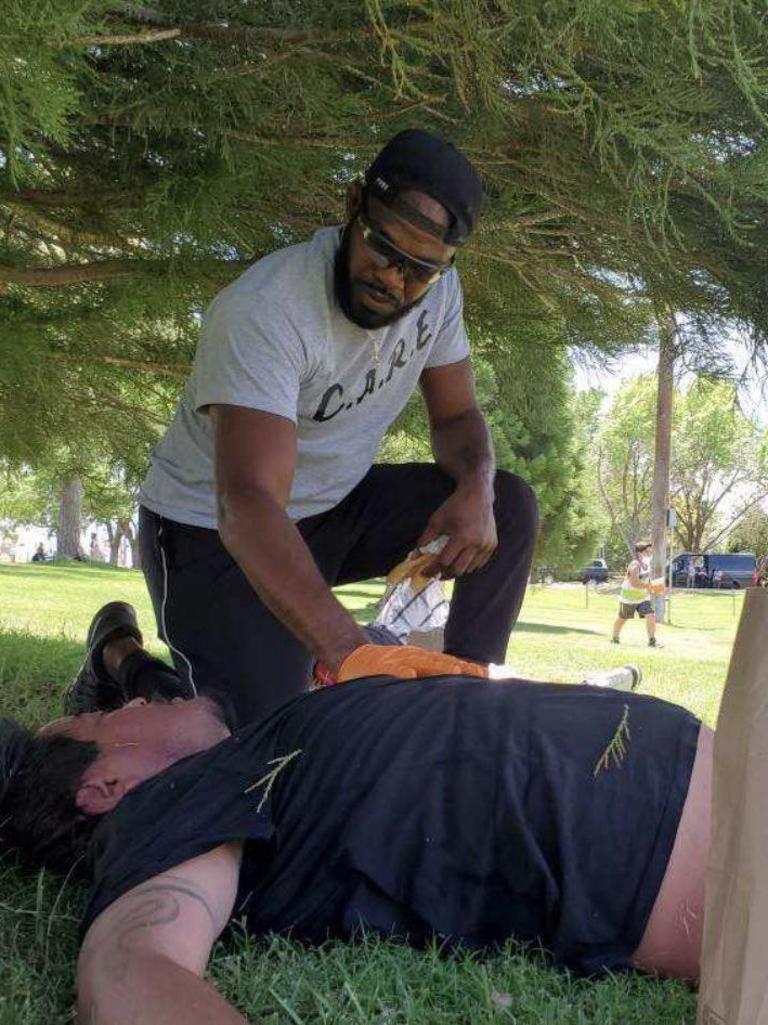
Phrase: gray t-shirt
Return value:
(276, 340)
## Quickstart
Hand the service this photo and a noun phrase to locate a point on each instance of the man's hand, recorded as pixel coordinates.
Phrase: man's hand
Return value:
(406, 661)
(467, 518)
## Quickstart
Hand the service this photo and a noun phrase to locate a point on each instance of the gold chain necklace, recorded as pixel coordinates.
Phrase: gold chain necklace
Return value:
(375, 346)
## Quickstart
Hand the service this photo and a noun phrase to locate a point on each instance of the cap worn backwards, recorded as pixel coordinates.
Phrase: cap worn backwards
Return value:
(417, 160)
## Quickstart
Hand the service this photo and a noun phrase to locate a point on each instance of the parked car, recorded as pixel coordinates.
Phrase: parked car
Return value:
(597, 570)
(727, 570)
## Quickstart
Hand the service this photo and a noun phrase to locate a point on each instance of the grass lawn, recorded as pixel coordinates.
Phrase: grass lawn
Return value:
(563, 632)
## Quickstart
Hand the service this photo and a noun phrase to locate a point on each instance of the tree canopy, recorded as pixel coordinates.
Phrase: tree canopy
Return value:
(150, 152)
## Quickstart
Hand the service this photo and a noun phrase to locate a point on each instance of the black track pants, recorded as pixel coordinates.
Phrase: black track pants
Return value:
(224, 639)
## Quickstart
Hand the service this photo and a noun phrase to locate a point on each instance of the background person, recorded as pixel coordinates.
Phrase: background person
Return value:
(262, 495)
(690, 573)
(634, 597)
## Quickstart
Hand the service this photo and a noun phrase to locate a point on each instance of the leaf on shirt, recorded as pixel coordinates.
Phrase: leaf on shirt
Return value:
(268, 779)
(616, 750)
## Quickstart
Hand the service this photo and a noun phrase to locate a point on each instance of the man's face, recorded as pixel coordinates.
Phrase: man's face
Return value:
(373, 296)
(136, 742)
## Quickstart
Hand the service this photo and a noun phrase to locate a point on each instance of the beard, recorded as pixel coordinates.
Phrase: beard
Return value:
(351, 306)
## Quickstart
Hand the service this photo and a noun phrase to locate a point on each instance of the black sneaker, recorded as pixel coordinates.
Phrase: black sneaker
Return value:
(93, 689)
(615, 640)
(653, 643)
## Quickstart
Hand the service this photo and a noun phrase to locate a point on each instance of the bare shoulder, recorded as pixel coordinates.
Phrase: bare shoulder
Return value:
(178, 914)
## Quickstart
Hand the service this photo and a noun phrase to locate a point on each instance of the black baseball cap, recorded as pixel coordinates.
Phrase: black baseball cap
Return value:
(415, 159)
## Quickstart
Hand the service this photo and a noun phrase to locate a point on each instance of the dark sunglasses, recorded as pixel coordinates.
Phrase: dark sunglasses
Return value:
(385, 253)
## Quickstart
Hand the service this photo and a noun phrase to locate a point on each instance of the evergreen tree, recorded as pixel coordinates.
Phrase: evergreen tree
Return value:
(149, 153)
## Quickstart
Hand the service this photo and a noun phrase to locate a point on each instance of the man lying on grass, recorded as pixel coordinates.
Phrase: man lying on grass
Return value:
(469, 810)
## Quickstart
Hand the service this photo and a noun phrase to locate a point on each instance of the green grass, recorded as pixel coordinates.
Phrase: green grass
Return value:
(44, 613)
(560, 637)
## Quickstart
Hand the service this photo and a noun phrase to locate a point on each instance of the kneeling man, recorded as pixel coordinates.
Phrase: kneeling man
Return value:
(472, 810)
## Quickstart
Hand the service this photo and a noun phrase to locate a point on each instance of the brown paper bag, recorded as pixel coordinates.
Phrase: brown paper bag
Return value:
(734, 967)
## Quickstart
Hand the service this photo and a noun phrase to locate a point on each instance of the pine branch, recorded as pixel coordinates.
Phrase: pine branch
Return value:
(113, 402)
(291, 141)
(229, 34)
(32, 220)
(104, 270)
(138, 39)
(268, 779)
(171, 369)
(67, 274)
(62, 198)
(616, 750)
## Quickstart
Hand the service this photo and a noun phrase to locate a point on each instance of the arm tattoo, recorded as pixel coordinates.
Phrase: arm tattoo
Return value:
(151, 905)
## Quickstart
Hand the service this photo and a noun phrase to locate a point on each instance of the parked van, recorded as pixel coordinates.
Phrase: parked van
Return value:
(730, 570)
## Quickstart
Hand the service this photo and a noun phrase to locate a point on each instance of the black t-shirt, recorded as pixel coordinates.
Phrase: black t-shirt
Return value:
(470, 810)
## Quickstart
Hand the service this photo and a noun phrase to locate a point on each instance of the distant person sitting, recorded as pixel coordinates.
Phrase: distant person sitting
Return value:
(634, 598)
(361, 806)
(39, 555)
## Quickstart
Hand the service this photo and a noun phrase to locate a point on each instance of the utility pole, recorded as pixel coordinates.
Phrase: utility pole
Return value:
(662, 451)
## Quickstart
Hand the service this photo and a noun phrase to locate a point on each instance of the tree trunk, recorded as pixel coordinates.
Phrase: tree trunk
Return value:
(115, 540)
(661, 462)
(70, 508)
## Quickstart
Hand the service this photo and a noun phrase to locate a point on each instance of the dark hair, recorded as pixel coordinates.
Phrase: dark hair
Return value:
(39, 778)
(642, 545)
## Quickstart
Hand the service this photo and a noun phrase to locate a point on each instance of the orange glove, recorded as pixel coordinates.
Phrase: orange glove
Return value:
(406, 661)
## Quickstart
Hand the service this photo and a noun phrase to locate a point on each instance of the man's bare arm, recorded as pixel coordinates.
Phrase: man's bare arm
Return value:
(633, 572)
(255, 456)
(144, 957)
(461, 443)
(462, 448)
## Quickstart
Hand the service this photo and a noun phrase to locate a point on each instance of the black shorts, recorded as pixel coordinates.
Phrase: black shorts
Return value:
(627, 610)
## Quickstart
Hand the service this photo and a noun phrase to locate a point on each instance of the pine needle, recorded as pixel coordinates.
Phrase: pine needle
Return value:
(617, 747)
(268, 779)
